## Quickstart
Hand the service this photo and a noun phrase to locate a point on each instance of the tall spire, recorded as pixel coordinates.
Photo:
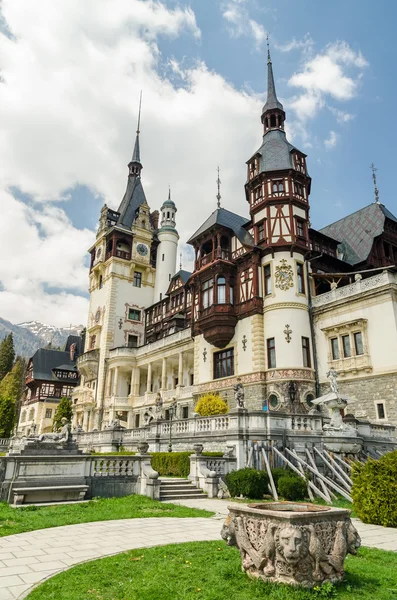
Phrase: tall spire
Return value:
(218, 196)
(271, 101)
(374, 169)
(135, 165)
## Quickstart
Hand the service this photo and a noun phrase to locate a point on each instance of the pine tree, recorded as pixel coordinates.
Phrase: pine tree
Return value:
(7, 355)
(11, 388)
(64, 409)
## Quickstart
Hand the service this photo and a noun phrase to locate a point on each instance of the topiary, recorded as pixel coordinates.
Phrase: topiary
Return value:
(211, 404)
(292, 487)
(247, 482)
(374, 490)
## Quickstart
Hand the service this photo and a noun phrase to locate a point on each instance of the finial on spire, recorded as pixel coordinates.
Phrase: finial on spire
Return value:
(169, 192)
(218, 196)
(180, 263)
(374, 169)
(139, 114)
(269, 60)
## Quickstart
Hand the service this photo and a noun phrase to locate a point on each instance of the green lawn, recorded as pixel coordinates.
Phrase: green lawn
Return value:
(208, 571)
(18, 520)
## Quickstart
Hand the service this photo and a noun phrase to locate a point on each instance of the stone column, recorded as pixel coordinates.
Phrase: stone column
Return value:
(164, 374)
(130, 420)
(109, 382)
(132, 381)
(85, 420)
(149, 378)
(180, 369)
(137, 381)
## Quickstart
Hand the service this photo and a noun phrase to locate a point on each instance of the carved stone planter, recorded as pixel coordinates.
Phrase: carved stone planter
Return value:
(291, 542)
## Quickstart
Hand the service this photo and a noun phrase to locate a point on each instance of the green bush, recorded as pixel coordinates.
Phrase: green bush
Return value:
(292, 487)
(374, 490)
(277, 473)
(175, 464)
(247, 482)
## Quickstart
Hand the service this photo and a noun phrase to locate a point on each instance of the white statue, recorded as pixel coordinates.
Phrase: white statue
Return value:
(60, 436)
(332, 375)
(239, 394)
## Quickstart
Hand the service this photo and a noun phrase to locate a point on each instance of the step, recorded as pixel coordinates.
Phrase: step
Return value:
(180, 492)
(181, 486)
(187, 497)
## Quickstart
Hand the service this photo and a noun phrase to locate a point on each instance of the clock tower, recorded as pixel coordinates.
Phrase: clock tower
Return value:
(277, 190)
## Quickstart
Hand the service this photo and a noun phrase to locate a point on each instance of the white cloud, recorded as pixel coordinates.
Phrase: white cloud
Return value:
(305, 45)
(331, 141)
(236, 13)
(340, 115)
(69, 107)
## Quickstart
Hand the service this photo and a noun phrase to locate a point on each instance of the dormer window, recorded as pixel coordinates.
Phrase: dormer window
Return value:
(300, 163)
(253, 169)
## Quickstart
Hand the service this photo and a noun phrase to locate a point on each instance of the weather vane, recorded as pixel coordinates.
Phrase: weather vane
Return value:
(374, 169)
(139, 114)
(218, 196)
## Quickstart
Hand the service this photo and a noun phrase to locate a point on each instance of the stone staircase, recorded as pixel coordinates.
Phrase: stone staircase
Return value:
(179, 489)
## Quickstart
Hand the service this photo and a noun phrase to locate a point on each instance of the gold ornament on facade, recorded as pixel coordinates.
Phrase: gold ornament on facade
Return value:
(284, 276)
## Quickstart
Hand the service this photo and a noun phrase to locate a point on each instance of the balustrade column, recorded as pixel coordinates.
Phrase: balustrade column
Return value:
(164, 374)
(116, 381)
(149, 378)
(180, 369)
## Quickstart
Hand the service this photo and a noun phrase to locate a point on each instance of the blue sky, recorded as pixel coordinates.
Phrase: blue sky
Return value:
(71, 82)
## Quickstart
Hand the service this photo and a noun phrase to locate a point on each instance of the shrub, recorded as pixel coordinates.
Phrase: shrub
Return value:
(292, 487)
(211, 404)
(247, 482)
(176, 464)
(277, 473)
(374, 490)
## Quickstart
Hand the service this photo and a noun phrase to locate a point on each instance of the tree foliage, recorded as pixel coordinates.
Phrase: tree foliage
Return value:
(7, 355)
(64, 410)
(11, 388)
(211, 404)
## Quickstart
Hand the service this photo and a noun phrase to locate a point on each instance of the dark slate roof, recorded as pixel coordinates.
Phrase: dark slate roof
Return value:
(358, 230)
(136, 155)
(271, 101)
(275, 153)
(46, 359)
(69, 367)
(226, 218)
(133, 198)
(74, 339)
(184, 275)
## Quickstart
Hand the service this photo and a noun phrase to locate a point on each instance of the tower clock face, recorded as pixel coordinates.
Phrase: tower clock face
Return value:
(142, 249)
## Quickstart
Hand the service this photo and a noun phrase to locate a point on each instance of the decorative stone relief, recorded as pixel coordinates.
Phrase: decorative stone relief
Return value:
(293, 543)
(284, 275)
(287, 332)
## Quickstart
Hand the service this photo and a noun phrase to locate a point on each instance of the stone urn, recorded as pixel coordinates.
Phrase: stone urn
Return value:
(291, 542)
(198, 449)
(143, 447)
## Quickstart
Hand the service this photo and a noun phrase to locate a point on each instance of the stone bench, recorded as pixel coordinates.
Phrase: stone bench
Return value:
(54, 493)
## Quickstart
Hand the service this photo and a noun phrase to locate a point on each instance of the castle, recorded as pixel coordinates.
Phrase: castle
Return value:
(271, 300)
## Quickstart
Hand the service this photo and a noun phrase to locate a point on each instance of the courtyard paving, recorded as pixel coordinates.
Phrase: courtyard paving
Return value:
(26, 559)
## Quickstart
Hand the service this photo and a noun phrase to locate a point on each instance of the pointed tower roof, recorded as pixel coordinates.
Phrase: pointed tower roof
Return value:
(271, 101)
(134, 195)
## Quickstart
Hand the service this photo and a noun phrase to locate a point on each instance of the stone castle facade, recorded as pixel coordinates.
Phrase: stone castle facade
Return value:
(271, 301)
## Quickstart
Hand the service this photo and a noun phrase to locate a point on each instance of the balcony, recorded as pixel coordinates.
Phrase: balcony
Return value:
(217, 324)
(87, 363)
(355, 289)
(119, 254)
(217, 254)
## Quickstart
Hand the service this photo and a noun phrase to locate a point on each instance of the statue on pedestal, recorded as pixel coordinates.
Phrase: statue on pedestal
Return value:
(58, 437)
(159, 406)
(239, 394)
(332, 375)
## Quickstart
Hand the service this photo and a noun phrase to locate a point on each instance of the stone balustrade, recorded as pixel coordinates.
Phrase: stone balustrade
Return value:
(4, 443)
(354, 289)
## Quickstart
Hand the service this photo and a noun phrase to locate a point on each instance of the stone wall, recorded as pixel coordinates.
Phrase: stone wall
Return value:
(366, 392)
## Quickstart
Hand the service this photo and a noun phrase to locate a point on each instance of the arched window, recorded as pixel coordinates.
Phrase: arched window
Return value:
(278, 186)
(221, 290)
(168, 214)
(273, 121)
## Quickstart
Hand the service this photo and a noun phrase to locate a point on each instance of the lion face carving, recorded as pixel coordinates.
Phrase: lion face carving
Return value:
(291, 543)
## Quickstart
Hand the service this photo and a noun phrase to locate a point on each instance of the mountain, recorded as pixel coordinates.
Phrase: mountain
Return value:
(32, 335)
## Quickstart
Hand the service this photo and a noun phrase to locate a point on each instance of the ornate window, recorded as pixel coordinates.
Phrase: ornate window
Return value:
(277, 187)
(271, 353)
(306, 352)
(267, 270)
(207, 290)
(348, 346)
(137, 282)
(92, 342)
(134, 314)
(253, 168)
(298, 188)
(300, 163)
(273, 401)
(224, 363)
(221, 290)
(257, 194)
(48, 413)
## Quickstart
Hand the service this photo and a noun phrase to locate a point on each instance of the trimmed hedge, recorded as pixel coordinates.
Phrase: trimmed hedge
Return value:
(374, 490)
(174, 464)
(292, 487)
(247, 482)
